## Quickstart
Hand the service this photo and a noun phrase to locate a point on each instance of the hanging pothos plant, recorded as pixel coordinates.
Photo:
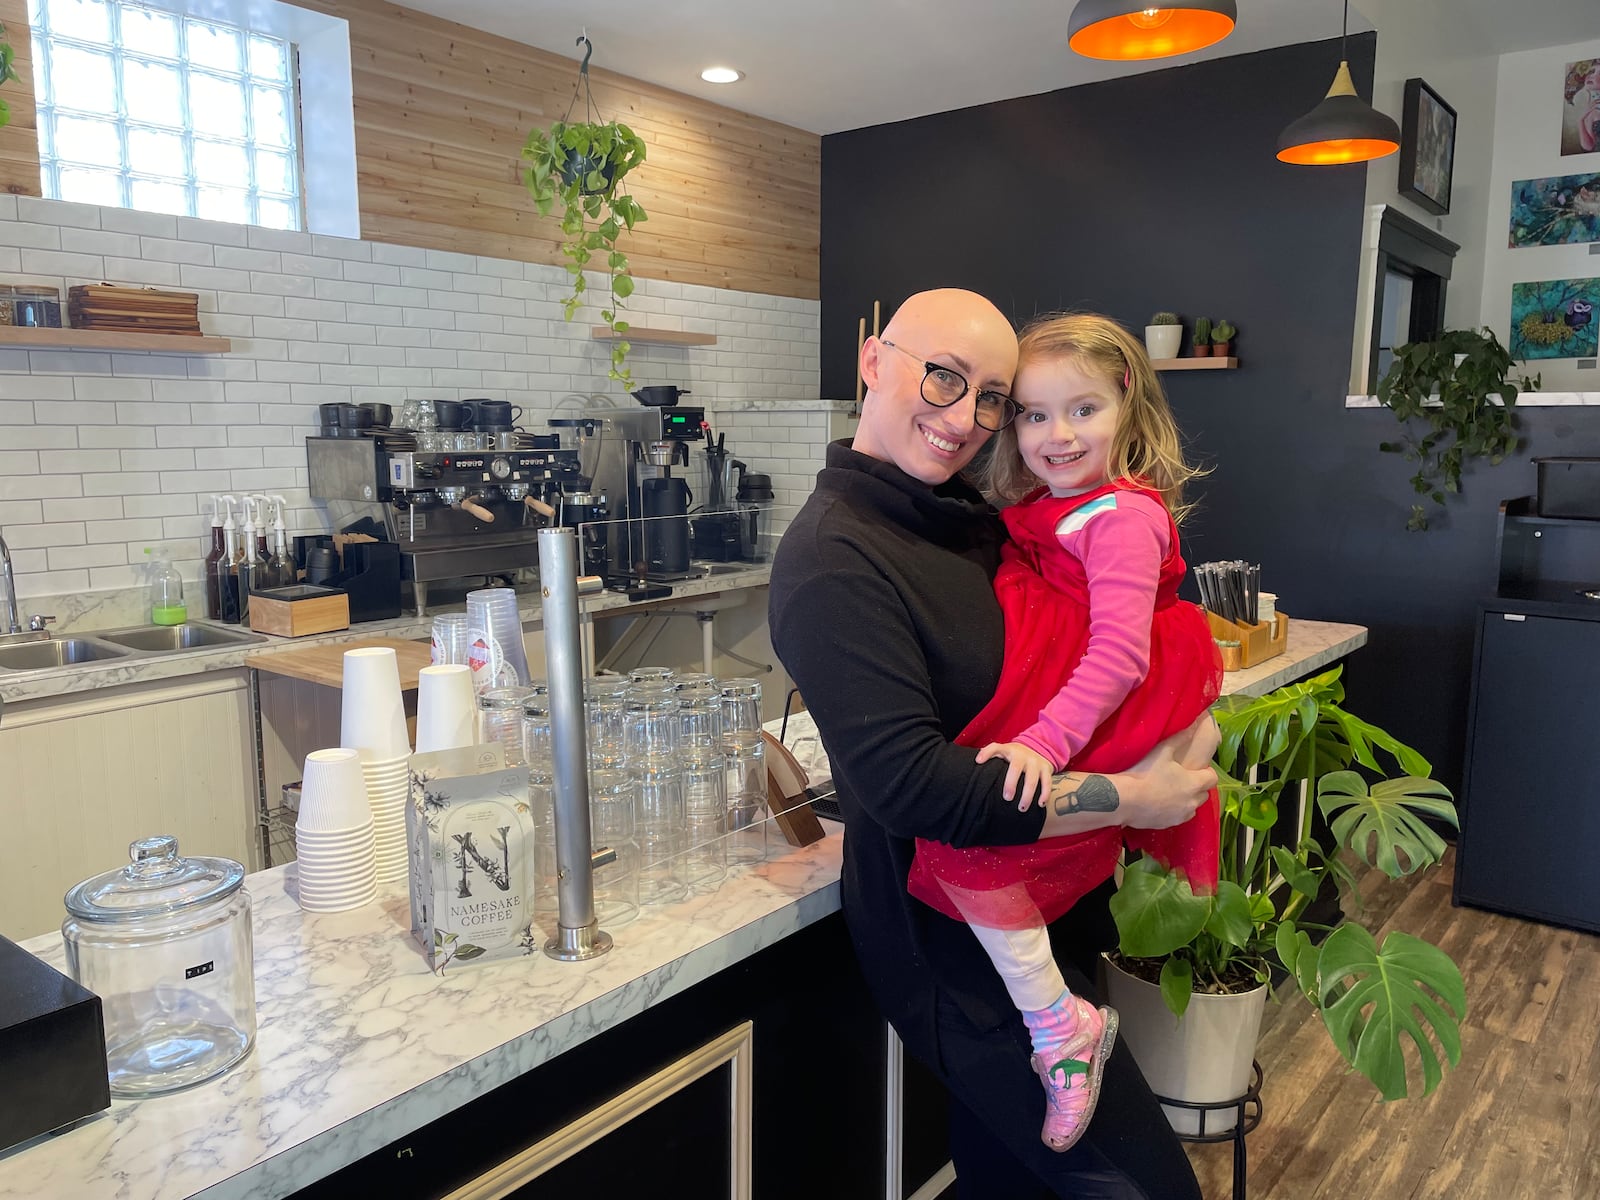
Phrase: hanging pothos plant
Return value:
(580, 165)
(1451, 411)
(8, 72)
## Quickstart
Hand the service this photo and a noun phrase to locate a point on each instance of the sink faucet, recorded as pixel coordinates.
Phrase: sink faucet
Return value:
(8, 576)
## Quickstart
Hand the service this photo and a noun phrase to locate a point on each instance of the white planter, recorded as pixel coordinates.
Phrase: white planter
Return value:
(1162, 341)
(1204, 1058)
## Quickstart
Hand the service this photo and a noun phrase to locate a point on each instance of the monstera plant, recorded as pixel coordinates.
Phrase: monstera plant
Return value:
(1373, 996)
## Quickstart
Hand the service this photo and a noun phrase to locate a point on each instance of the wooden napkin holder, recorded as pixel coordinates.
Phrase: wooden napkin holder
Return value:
(786, 795)
(1257, 642)
(299, 609)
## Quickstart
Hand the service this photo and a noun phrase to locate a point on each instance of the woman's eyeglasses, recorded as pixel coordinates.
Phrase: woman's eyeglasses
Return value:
(942, 386)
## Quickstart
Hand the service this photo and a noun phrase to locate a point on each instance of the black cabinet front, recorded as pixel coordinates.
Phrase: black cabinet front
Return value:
(1531, 801)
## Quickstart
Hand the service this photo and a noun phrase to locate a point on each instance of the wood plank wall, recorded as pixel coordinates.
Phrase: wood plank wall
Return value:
(441, 112)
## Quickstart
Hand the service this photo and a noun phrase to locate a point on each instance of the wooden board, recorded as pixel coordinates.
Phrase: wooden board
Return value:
(106, 339)
(1195, 364)
(663, 337)
(786, 795)
(325, 664)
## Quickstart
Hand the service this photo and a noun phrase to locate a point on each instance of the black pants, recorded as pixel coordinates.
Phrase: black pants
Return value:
(997, 1107)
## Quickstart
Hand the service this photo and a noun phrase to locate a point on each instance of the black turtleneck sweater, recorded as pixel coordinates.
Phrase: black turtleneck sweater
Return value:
(883, 611)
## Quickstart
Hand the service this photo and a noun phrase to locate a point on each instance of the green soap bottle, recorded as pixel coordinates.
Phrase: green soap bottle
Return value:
(166, 591)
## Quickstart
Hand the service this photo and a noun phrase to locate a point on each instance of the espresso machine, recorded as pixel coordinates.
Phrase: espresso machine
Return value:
(454, 514)
(628, 456)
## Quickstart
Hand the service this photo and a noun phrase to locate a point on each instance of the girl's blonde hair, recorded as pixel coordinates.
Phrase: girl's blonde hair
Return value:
(1146, 447)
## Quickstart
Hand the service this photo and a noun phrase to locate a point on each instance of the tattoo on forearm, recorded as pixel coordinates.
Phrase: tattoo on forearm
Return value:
(1083, 793)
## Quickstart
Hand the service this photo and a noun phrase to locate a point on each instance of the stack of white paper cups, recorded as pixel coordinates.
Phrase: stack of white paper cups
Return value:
(494, 639)
(373, 722)
(336, 856)
(446, 710)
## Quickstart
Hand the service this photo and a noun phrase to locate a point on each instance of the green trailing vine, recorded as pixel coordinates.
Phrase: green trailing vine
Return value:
(1451, 413)
(8, 72)
(580, 166)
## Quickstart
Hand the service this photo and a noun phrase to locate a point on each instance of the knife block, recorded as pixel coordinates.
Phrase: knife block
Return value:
(1257, 643)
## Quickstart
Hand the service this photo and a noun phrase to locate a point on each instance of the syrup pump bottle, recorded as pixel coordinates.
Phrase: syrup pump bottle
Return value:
(245, 562)
(282, 561)
(209, 572)
(225, 573)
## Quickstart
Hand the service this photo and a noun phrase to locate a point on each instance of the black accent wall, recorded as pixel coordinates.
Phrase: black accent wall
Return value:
(1161, 191)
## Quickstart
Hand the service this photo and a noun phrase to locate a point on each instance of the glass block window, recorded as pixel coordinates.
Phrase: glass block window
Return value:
(142, 108)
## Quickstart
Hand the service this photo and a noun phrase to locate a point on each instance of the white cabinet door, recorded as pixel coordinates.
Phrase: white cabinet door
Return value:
(82, 776)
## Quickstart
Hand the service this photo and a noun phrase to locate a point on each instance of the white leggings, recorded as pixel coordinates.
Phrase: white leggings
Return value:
(1026, 966)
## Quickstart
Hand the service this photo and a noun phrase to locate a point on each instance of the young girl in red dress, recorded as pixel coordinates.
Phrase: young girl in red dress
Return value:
(1102, 661)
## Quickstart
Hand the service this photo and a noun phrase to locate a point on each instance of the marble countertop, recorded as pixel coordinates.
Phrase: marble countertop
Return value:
(359, 1042)
(83, 677)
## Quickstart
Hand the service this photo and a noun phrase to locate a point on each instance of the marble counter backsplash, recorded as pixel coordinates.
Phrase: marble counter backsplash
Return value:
(79, 612)
(359, 1043)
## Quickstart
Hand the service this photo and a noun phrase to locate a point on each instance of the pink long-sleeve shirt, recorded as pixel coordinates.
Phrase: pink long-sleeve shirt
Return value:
(1121, 539)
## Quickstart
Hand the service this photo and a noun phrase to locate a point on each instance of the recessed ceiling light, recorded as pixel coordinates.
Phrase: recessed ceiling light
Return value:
(721, 75)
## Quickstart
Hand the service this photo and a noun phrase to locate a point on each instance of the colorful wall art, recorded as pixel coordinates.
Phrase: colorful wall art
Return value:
(1580, 112)
(1554, 319)
(1562, 209)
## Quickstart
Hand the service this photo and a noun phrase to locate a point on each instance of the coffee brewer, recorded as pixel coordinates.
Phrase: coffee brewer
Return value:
(454, 514)
(628, 455)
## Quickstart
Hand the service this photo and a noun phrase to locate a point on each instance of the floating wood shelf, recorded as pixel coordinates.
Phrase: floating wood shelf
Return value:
(32, 338)
(1195, 364)
(662, 337)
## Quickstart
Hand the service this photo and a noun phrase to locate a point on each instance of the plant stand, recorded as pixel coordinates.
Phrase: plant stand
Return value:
(1247, 1110)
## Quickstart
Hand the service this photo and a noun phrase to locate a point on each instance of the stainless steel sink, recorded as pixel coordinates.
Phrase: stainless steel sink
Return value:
(57, 652)
(169, 639)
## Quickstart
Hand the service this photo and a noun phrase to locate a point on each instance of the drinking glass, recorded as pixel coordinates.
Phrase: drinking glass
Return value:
(500, 709)
(741, 713)
(655, 675)
(700, 713)
(605, 705)
(652, 728)
(613, 799)
(662, 828)
(449, 639)
(745, 774)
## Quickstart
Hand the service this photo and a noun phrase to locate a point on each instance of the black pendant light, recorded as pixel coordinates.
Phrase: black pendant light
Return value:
(1135, 29)
(1344, 128)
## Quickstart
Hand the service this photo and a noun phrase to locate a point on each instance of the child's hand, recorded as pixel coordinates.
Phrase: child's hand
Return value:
(1033, 768)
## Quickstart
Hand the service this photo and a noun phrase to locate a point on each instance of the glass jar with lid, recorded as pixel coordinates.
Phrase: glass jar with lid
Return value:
(165, 943)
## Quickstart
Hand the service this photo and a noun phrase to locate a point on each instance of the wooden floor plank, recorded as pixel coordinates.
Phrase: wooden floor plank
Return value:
(1520, 1118)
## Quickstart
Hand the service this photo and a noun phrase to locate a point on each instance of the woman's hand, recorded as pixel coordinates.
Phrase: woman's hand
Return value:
(1027, 764)
(1167, 785)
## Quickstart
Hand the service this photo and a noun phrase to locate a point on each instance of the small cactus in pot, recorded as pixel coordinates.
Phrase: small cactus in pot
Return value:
(1222, 335)
(1163, 335)
(1201, 345)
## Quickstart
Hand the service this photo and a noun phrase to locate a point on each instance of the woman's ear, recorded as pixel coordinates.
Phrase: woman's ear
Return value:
(871, 361)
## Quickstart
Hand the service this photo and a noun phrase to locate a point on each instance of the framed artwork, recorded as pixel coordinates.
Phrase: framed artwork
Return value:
(1563, 209)
(1580, 107)
(1427, 147)
(1554, 318)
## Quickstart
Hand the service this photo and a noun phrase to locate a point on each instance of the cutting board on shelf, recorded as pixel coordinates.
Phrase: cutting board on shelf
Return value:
(325, 664)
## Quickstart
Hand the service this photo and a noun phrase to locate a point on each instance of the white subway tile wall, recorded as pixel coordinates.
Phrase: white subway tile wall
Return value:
(105, 453)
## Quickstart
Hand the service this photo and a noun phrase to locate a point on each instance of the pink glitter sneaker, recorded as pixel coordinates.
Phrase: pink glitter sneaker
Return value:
(1071, 1072)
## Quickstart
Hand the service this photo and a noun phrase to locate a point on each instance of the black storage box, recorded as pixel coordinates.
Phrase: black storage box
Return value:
(1569, 487)
(52, 1049)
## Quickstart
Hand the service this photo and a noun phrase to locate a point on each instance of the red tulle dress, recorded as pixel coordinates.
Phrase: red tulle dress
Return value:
(1044, 595)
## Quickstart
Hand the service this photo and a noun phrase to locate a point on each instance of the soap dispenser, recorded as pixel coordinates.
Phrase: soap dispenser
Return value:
(227, 570)
(166, 590)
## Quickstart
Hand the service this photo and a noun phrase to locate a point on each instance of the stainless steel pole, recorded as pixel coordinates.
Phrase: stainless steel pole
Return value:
(578, 932)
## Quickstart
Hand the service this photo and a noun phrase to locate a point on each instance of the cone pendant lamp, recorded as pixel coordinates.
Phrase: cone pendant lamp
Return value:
(1344, 128)
(1135, 29)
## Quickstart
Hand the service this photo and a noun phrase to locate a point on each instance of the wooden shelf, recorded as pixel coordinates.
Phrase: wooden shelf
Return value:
(661, 337)
(1195, 364)
(31, 338)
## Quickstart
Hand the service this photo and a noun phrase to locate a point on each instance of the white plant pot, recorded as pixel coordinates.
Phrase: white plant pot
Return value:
(1162, 341)
(1203, 1058)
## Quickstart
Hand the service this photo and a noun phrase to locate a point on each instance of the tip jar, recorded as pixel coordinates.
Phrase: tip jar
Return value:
(165, 943)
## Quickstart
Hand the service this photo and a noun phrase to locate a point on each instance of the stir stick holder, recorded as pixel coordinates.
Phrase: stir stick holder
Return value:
(1257, 642)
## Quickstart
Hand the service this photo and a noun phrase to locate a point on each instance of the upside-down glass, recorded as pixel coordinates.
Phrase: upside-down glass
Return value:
(662, 827)
(613, 799)
(605, 706)
(700, 714)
